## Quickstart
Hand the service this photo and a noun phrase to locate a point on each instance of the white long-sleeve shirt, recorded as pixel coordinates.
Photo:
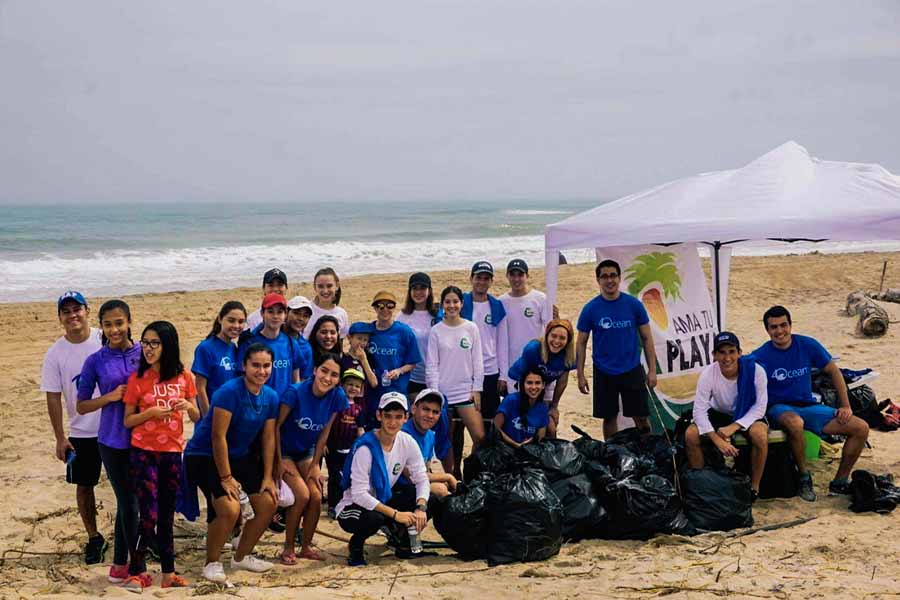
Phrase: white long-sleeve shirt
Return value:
(337, 312)
(481, 313)
(420, 322)
(717, 392)
(454, 364)
(404, 454)
(526, 318)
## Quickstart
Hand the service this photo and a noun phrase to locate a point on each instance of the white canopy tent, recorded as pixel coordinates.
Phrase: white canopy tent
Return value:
(784, 195)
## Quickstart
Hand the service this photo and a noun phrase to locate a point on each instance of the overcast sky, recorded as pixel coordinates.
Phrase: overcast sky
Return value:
(297, 101)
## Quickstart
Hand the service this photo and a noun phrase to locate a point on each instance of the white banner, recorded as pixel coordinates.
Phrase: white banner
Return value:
(669, 281)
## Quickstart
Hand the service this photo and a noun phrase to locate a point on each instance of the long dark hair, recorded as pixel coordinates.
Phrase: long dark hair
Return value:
(337, 282)
(314, 341)
(451, 289)
(226, 308)
(170, 365)
(254, 348)
(112, 305)
(409, 306)
(524, 403)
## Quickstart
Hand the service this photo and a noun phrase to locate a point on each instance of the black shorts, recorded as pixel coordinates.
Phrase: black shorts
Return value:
(631, 386)
(490, 397)
(86, 466)
(202, 471)
(412, 390)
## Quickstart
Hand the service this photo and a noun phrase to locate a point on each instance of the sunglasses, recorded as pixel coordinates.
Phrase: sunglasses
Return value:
(384, 305)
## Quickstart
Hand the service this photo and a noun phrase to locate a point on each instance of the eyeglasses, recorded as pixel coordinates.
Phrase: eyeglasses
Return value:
(608, 276)
(154, 344)
(384, 305)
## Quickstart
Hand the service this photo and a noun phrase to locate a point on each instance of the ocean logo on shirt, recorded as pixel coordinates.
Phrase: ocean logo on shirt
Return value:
(488, 320)
(608, 323)
(376, 351)
(281, 363)
(306, 424)
(517, 424)
(528, 312)
(397, 468)
(464, 343)
(226, 363)
(782, 374)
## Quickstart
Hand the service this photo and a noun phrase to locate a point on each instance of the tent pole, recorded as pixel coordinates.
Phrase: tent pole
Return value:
(716, 246)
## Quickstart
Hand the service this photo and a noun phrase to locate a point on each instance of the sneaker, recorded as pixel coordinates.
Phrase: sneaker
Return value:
(235, 542)
(138, 582)
(251, 563)
(806, 488)
(177, 581)
(839, 488)
(357, 558)
(95, 550)
(753, 496)
(277, 523)
(214, 572)
(117, 573)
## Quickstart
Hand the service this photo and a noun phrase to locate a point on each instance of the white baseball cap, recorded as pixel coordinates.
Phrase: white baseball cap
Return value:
(391, 398)
(299, 302)
(429, 392)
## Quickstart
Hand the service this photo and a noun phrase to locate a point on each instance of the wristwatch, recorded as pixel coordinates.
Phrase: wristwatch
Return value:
(422, 507)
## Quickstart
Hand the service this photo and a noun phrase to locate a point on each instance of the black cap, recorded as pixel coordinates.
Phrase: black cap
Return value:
(420, 279)
(482, 266)
(273, 275)
(517, 264)
(726, 338)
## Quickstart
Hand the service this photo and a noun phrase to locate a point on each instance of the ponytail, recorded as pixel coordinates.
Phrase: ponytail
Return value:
(226, 308)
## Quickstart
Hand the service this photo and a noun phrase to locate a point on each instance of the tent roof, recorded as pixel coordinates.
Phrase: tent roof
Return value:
(785, 193)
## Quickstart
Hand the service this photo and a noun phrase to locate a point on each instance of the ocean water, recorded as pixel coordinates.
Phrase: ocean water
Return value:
(125, 249)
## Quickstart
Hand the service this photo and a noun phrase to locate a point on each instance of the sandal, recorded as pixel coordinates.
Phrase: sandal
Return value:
(311, 554)
(175, 581)
(288, 558)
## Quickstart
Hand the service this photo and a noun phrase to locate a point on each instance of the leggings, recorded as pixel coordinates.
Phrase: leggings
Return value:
(117, 461)
(157, 477)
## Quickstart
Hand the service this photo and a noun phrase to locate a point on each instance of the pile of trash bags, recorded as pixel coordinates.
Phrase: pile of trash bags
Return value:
(521, 504)
(873, 493)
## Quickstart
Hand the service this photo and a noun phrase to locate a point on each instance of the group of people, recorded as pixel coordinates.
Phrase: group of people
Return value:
(277, 391)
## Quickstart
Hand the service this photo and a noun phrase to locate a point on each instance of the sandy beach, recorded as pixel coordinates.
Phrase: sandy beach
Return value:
(838, 554)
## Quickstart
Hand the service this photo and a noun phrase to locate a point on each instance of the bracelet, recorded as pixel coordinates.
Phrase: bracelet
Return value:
(394, 518)
(224, 479)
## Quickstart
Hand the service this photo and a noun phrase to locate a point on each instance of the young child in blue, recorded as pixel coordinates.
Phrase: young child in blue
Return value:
(215, 358)
(788, 360)
(308, 411)
(424, 426)
(523, 416)
(290, 364)
(553, 356)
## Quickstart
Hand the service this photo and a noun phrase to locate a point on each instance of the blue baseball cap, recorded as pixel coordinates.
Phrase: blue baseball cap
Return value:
(361, 327)
(70, 295)
(726, 338)
(482, 266)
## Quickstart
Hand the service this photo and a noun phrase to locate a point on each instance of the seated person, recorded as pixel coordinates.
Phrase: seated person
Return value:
(372, 496)
(731, 398)
(523, 416)
(788, 360)
(426, 415)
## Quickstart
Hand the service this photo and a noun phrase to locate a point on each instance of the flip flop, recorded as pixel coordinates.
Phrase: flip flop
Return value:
(311, 554)
(288, 558)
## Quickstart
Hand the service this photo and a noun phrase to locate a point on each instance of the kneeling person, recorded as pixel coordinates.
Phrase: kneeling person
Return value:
(424, 427)
(788, 360)
(731, 398)
(372, 496)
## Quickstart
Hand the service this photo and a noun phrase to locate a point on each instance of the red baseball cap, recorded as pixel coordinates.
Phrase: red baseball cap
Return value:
(273, 299)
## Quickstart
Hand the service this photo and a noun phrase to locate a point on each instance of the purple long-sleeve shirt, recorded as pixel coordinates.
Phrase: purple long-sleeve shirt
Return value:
(108, 368)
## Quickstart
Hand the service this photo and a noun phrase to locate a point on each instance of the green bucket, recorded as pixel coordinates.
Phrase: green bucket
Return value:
(813, 444)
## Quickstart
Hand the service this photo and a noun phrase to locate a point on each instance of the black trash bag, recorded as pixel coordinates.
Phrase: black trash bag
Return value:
(557, 458)
(583, 515)
(599, 475)
(525, 518)
(871, 492)
(781, 478)
(623, 462)
(587, 446)
(462, 519)
(717, 499)
(654, 452)
(642, 507)
(494, 457)
(630, 438)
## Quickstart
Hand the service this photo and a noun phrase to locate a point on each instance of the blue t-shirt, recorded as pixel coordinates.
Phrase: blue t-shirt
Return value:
(538, 417)
(424, 440)
(614, 325)
(391, 349)
(248, 416)
(306, 352)
(531, 359)
(288, 356)
(788, 371)
(215, 361)
(309, 416)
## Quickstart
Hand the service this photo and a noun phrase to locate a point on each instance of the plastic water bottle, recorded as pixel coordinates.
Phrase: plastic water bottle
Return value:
(246, 507)
(415, 544)
(385, 379)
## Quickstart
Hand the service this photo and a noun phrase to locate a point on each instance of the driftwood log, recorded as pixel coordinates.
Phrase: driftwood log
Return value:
(873, 320)
(889, 295)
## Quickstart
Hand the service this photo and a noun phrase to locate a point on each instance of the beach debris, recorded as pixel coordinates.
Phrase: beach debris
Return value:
(888, 295)
(873, 320)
